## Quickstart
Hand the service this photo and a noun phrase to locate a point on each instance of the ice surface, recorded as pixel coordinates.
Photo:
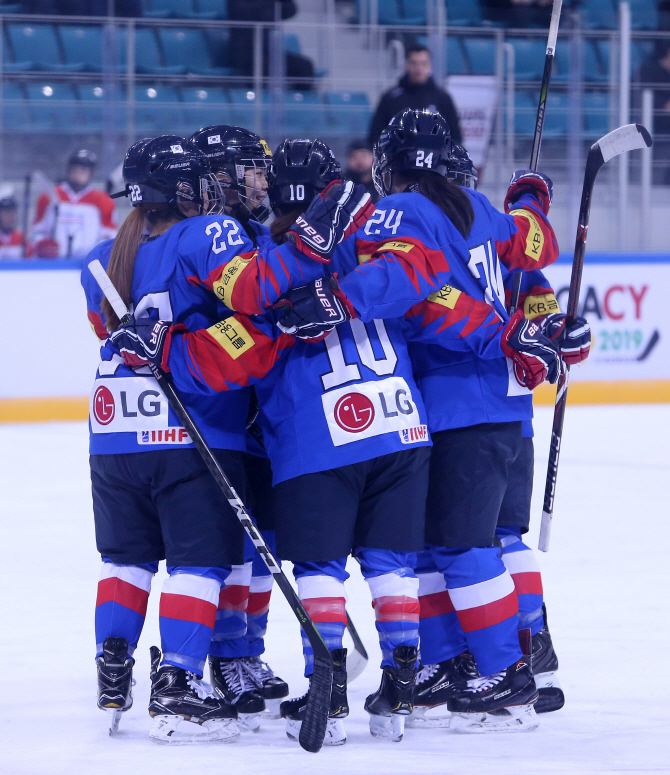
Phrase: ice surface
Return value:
(606, 583)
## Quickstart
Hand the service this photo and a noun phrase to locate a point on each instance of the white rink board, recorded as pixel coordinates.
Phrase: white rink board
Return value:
(627, 307)
(47, 347)
(605, 578)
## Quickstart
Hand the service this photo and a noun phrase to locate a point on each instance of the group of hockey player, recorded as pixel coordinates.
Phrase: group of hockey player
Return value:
(361, 380)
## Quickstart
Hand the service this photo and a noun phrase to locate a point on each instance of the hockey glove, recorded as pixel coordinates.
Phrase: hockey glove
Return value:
(529, 182)
(312, 311)
(145, 341)
(574, 341)
(339, 210)
(534, 356)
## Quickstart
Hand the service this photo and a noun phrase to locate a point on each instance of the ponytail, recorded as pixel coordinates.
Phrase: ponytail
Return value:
(122, 263)
(448, 196)
(282, 223)
(124, 250)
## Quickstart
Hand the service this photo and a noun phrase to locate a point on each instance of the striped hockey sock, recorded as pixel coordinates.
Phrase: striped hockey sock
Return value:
(187, 616)
(395, 599)
(123, 594)
(230, 631)
(521, 562)
(483, 596)
(324, 599)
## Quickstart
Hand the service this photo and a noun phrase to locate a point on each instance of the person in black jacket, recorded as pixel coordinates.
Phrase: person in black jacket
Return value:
(417, 90)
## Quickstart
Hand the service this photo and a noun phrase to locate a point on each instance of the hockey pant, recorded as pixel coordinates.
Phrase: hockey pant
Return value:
(394, 589)
(242, 615)
(187, 614)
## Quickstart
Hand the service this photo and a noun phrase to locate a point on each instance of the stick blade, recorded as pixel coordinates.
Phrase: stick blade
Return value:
(313, 728)
(625, 138)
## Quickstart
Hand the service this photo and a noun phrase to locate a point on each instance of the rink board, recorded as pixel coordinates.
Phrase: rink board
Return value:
(49, 352)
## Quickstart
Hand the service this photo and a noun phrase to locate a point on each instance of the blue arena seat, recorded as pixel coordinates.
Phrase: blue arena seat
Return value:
(15, 107)
(525, 111)
(596, 108)
(348, 112)
(54, 106)
(206, 105)
(92, 99)
(189, 50)
(644, 14)
(158, 109)
(210, 9)
(303, 112)
(389, 12)
(35, 47)
(599, 14)
(595, 68)
(481, 55)
(148, 56)
(456, 64)
(464, 13)
(413, 12)
(83, 46)
(556, 116)
(529, 56)
(292, 44)
(168, 9)
(244, 106)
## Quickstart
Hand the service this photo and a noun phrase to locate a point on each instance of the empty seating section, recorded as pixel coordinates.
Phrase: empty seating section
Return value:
(83, 47)
(480, 55)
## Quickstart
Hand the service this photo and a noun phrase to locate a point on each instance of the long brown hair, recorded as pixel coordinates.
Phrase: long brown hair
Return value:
(448, 196)
(124, 250)
(283, 222)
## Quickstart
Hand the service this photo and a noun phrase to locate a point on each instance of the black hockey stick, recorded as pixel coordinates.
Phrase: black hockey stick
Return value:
(625, 138)
(358, 661)
(313, 728)
(539, 122)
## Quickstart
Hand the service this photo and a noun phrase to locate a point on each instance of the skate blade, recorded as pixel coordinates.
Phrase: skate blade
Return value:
(249, 722)
(335, 732)
(424, 717)
(114, 722)
(516, 718)
(272, 709)
(389, 728)
(176, 730)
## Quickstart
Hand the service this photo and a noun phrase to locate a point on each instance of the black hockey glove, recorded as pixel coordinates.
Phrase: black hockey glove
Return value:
(535, 356)
(339, 210)
(145, 341)
(574, 342)
(529, 182)
(312, 311)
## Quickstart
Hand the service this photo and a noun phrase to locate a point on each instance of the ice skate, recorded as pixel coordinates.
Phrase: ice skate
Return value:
(502, 702)
(185, 709)
(545, 667)
(294, 710)
(115, 680)
(271, 687)
(435, 685)
(394, 700)
(235, 683)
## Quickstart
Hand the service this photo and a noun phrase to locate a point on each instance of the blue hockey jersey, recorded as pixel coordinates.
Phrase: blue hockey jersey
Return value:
(181, 277)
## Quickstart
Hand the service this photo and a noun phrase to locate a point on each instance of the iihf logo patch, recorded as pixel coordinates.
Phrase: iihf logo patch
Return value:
(214, 139)
(145, 437)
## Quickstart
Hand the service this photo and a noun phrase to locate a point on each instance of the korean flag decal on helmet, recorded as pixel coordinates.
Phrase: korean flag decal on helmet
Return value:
(214, 139)
(176, 149)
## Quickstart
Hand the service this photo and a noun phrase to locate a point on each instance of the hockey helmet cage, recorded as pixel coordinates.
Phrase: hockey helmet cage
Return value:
(413, 140)
(232, 151)
(299, 171)
(168, 170)
(83, 158)
(461, 168)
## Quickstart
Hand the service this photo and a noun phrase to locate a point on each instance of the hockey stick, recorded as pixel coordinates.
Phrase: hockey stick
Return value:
(358, 660)
(625, 138)
(313, 728)
(539, 122)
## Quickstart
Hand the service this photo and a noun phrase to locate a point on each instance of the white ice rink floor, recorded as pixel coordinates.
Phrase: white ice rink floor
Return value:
(606, 585)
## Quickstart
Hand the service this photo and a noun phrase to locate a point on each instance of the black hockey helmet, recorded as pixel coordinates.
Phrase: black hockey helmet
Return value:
(461, 169)
(83, 158)
(413, 140)
(232, 151)
(168, 170)
(299, 171)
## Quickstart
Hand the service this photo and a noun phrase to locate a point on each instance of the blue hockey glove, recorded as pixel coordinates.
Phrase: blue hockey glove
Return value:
(312, 311)
(535, 356)
(574, 342)
(529, 182)
(339, 210)
(145, 341)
